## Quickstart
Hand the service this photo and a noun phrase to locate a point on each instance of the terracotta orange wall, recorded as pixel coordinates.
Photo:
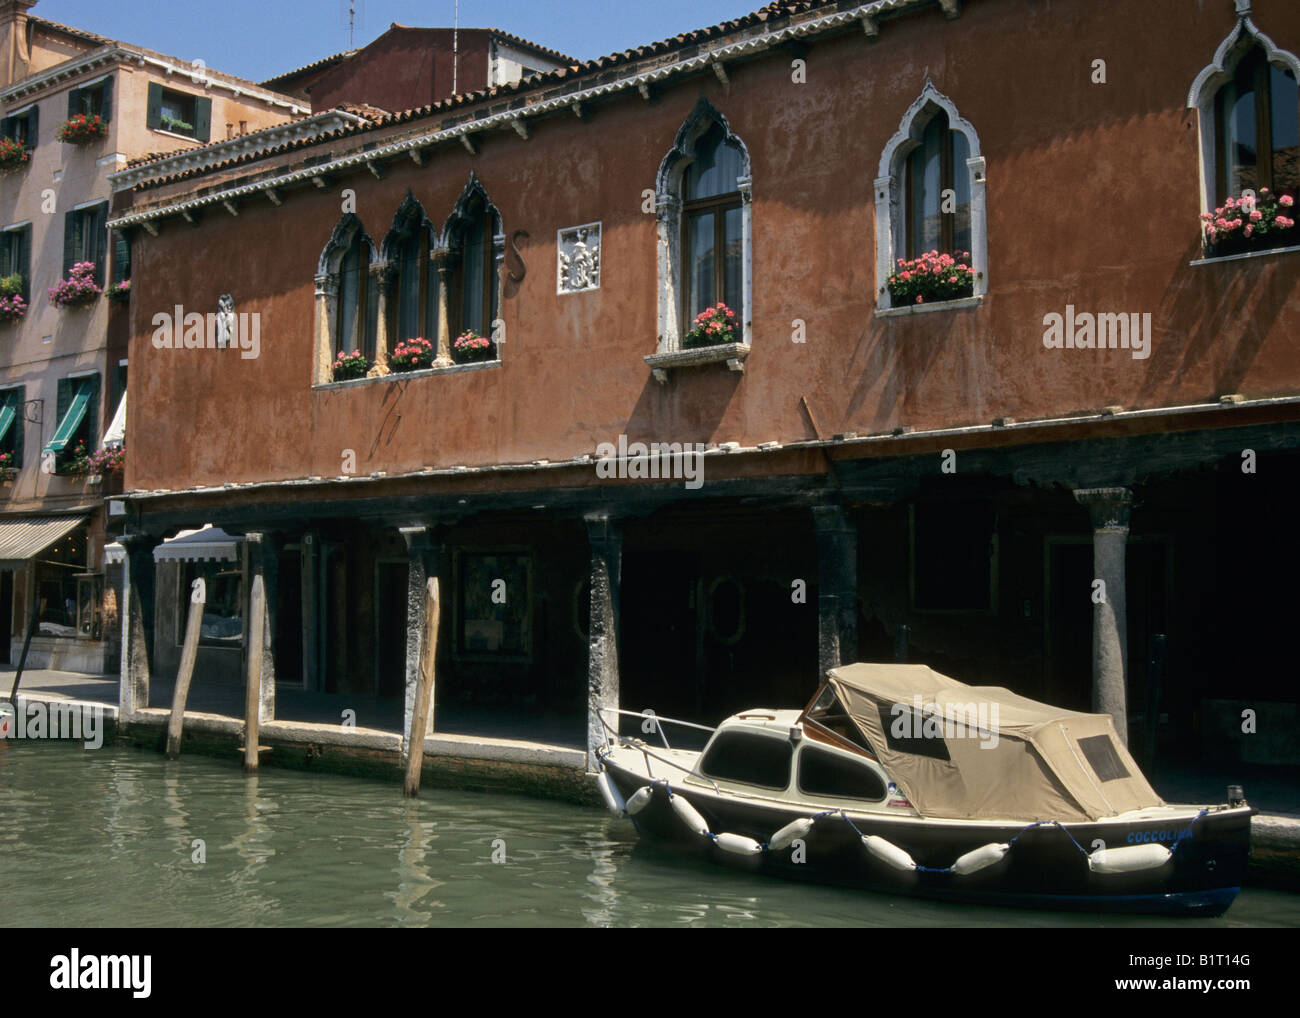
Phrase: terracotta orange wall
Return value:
(1092, 200)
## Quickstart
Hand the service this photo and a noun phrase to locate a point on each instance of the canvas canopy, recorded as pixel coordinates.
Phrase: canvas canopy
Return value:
(964, 752)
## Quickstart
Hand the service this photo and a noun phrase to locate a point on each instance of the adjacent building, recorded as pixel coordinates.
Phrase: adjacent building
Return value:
(74, 108)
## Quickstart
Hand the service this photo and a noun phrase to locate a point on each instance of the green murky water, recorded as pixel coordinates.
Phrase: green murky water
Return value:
(107, 838)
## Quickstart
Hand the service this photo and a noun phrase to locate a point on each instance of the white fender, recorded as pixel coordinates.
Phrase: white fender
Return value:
(787, 834)
(888, 853)
(640, 799)
(979, 858)
(738, 844)
(1128, 859)
(611, 794)
(689, 816)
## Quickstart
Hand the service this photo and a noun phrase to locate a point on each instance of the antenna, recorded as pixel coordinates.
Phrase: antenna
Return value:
(354, 11)
(352, 21)
(455, 47)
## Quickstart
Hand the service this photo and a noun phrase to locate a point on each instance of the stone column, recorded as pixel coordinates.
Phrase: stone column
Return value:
(137, 616)
(605, 539)
(1109, 509)
(423, 552)
(445, 269)
(837, 587)
(264, 571)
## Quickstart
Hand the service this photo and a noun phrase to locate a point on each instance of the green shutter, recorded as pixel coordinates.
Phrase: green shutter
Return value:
(12, 410)
(202, 118)
(153, 111)
(100, 225)
(7, 127)
(121, 256)
(71, 240)
(73, 407)
(74, 103)
(23, 261)
(106, 107)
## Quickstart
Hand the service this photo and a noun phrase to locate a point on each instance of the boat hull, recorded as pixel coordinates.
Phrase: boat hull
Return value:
(1047, 866)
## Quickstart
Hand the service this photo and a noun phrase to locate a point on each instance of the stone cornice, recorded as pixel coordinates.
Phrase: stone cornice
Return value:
(120, 53)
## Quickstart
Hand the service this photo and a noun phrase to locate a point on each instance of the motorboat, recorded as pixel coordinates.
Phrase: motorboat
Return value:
(897, 779)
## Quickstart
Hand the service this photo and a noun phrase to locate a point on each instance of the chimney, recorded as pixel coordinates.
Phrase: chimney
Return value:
(15, 55)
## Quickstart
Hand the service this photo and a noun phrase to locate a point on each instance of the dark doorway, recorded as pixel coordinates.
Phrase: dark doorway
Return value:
(658, 656)
(288, 619)
(390, 627)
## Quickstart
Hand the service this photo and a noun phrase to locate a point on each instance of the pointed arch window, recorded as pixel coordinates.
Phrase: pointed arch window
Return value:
(1248, 105)
(705, 223)
(930, 191)
(475, 249)
(411, 253)
(347, 296)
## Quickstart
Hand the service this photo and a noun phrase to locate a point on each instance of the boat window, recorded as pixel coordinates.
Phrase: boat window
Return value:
(905, 731)
(824, 773)
(1102, 758)
(828, 712)
(749, 758)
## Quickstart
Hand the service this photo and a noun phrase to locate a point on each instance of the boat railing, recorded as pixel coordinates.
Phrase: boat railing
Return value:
(656, 722)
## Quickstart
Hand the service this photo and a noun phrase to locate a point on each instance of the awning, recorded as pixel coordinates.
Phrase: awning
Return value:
(25, 538)
(8, 414)
(208, 544)
(116, 433)
(73, 418)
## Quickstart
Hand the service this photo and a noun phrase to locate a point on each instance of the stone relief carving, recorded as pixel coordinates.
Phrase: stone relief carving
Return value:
(578, 267)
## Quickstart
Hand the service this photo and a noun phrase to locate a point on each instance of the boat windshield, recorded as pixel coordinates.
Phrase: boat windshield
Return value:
(828, 713)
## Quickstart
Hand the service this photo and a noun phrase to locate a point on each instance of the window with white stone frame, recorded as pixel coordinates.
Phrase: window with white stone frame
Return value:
(929, 194)
(349, 280)
(1248, 107)
(705, 226)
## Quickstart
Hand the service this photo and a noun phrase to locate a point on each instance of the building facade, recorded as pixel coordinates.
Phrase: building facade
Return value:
(1055, 456)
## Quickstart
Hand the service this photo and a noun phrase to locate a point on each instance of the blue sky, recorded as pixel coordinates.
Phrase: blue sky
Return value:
(258, 39)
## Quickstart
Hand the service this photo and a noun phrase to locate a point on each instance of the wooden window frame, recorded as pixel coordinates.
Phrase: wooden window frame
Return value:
(947, 181)
(719, 205)
(1259, 83)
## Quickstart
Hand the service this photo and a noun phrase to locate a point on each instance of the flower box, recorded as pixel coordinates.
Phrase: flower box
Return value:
(714, 326)
(470, 348)
(118, 291)
(412, 355)
(7, 469)
(12, 305)
(931, 278)
(350, 365)
(1250, 223)
(81, 129)
(107, 461)
(79, 289)
(13, 154)
(76, 463)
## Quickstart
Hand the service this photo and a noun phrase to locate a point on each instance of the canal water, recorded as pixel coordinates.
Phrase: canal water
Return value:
(122, 837)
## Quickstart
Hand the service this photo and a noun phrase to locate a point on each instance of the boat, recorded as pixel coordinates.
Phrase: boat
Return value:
(898, 779)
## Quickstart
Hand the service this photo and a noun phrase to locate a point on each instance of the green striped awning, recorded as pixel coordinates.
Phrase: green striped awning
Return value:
(73, 418)
(7, 417)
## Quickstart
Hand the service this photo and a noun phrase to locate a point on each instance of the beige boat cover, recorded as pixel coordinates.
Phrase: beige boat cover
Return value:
(1008, 757)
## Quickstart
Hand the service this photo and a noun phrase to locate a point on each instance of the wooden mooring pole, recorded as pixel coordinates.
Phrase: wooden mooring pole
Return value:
(253, 693)
(27, 642)
(189, 653)
(423, 690)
